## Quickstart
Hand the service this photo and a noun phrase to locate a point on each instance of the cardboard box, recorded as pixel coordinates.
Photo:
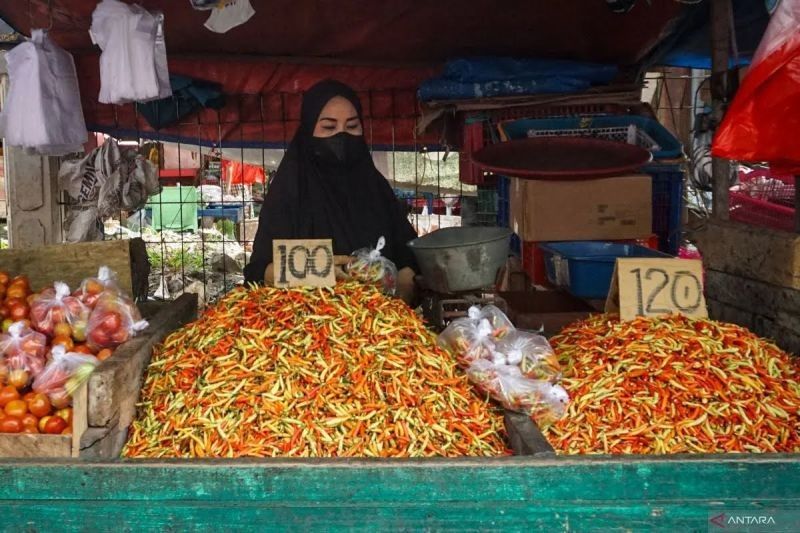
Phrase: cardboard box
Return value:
(601, 209)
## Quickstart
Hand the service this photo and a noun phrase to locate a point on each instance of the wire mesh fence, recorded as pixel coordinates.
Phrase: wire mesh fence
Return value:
(200, 228)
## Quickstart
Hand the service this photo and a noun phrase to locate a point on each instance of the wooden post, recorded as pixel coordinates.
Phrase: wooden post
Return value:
(720, 45)
(797, 204)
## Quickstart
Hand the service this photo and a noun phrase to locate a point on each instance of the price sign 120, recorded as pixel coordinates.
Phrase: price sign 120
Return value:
(652, 287)
(303, 263)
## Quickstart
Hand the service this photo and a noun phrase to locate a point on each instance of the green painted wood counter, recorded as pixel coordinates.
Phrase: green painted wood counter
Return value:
(514, 493)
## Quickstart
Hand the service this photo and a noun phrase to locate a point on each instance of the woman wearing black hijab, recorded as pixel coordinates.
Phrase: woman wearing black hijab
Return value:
(327, 187)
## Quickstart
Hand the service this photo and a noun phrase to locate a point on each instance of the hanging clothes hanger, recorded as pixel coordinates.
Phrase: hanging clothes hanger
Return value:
(49, 14)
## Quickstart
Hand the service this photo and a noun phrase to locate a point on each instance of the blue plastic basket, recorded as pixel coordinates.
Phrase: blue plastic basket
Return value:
(633, 129)
(503, 201)
(584, 268)
(668, 181)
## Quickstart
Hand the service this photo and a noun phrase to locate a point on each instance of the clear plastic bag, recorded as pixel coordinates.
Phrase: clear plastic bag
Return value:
(66, 371)
(501, 324)
(542, 400)
(468, 339)
(56, 306)
(92, 288)
(114, 320)
(22, 339)
(533, 354)
(24, 351)
(369, 266)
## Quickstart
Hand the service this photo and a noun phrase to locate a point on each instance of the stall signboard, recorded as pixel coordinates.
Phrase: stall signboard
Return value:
(303, 263)
(655, 287)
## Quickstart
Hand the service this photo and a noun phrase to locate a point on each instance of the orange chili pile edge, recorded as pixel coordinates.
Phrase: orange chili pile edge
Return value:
(309, 373)
(674, 385)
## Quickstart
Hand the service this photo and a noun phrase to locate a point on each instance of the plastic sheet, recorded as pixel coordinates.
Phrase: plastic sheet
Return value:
(762, 118)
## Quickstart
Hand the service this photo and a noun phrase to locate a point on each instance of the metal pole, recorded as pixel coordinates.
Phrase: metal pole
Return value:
(720, 55)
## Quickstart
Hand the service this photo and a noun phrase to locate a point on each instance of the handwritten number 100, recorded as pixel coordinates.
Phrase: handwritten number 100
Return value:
(299, 269)
(685, 291)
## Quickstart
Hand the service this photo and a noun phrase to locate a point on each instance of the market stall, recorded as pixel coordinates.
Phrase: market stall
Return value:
(609, 401)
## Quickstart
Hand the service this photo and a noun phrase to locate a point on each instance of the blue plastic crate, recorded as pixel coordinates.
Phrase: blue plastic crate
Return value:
(503, 202)
(668, 179)
(584, 268)
(646, 132)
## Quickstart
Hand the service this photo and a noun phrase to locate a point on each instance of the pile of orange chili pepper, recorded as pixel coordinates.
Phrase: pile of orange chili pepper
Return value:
(309, 373)
(674, 385)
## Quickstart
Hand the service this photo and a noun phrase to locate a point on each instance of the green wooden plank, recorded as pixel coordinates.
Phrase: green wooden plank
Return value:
(517, 493)
(204, 516)
(506, 479)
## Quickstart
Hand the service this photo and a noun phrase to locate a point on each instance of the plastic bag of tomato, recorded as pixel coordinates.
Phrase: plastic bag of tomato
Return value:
(51, 342)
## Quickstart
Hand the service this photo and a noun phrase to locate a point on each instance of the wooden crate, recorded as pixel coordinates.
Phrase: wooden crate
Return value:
(113, 389)
(49, 446)
(105, 406)
(72, 263)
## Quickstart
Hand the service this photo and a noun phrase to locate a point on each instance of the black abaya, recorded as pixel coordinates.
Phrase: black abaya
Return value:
(353, 206)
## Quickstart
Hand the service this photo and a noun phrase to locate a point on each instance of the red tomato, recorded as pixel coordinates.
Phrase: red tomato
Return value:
(11, 424)
(62, 330)
(67, 431)
(4, 278)
(16, 292)
(3, 372)
(94, 287)
(82, 348)
(59, 399)
(30, 429)
(66, 414)
(112, 322)
(104, 354)
(4, 311)
(39, 405)
(99, 338)
(66, 342)
(30, 420)
(28, 396)
(120, 337)
(16, 408)
(19, 378)
(8, 394)
(55, 425)
(42, 422)
(19, 312)
(21, 280)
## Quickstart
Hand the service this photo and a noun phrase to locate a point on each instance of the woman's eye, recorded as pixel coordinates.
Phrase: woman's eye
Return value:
(352, 126)
(329, 128)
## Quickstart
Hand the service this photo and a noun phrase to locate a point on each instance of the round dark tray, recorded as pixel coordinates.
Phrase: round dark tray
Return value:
(561, 158)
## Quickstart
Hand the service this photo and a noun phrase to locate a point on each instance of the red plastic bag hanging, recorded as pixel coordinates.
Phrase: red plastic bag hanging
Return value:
(761, 123)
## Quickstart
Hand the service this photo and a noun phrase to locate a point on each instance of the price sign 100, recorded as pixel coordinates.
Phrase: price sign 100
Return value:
(301, 263)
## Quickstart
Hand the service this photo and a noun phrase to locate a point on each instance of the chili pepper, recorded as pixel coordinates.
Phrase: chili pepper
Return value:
(309, 372)
(674, 385)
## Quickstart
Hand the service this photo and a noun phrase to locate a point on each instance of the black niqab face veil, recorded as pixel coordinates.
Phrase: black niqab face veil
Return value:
(329, 188)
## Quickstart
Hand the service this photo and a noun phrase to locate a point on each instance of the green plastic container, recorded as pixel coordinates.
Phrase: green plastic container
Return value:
(175, 209)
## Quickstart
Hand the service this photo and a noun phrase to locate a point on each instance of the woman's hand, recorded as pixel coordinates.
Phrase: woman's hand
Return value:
(406, 288)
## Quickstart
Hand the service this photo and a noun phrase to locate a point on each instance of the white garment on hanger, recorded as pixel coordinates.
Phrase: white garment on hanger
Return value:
(233, 13)
(133, 65)
(43, 111)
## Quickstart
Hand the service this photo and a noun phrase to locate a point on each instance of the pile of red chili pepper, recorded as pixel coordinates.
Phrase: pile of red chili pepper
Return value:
(674, 385)
(310, 373)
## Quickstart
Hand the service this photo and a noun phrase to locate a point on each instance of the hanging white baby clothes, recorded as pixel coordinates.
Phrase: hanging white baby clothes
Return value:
(133, 65)
(42, 111)
(231, 14)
